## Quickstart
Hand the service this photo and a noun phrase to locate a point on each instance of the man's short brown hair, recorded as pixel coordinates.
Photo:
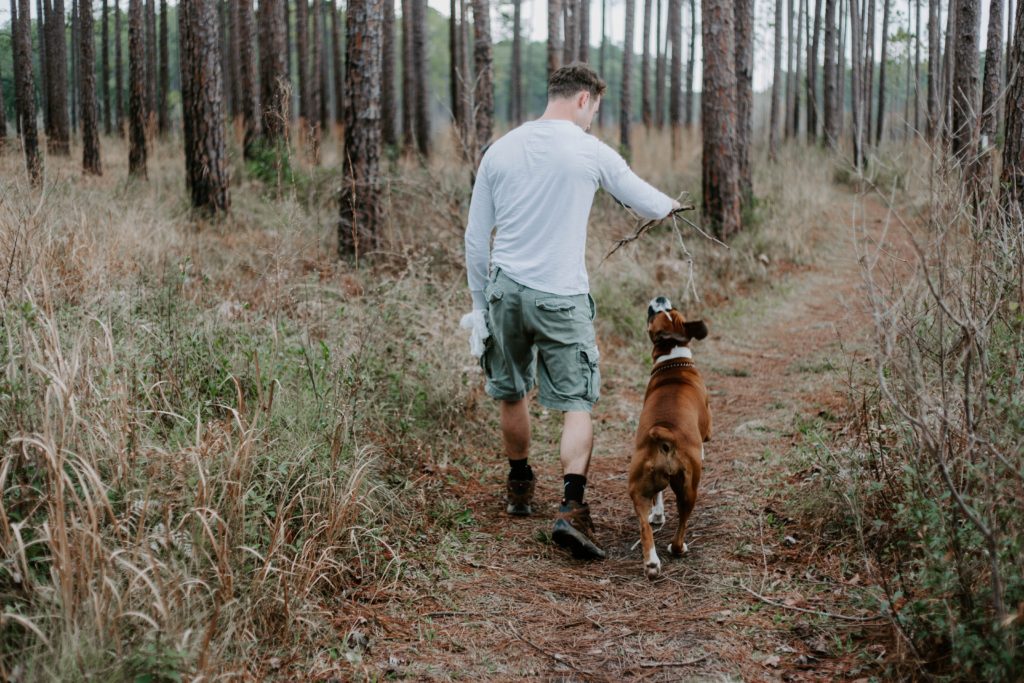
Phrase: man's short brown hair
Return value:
(573, 78)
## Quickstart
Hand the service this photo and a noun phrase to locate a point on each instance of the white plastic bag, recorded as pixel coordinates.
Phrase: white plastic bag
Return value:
(476, 323)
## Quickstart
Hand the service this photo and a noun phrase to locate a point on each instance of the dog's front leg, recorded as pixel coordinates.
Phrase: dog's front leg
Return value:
(652, 565)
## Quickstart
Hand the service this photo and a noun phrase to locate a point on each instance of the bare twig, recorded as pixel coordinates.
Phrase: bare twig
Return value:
(644, 227)
(687, 662)
(821, 613)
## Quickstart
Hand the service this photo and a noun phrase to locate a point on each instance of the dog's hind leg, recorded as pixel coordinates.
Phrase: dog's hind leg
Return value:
(652, 564)
(685, 488)
(657, 515)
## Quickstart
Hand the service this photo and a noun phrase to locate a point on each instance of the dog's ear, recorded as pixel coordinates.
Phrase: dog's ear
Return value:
(695, 329)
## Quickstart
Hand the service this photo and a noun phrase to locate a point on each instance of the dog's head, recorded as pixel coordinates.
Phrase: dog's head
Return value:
(668, 329)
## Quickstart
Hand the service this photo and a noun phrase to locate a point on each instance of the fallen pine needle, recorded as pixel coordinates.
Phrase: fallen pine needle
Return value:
(688, 662)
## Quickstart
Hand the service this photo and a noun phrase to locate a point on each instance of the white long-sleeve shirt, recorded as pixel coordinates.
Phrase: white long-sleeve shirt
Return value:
(536, 186)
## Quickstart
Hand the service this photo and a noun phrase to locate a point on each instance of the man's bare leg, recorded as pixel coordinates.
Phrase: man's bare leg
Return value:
(515, 428)
(577, 442)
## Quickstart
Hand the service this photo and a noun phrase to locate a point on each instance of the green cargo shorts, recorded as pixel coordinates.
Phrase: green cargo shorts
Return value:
(536, 333)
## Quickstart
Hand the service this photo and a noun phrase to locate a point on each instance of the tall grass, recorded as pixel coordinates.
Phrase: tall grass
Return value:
(931, 487)
(209, 431)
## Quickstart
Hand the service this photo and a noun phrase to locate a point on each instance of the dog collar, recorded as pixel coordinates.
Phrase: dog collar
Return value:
(675, 364)
(677, 352)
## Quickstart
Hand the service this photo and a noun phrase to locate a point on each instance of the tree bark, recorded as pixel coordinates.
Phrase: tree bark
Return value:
(44, 14)
(773, 119)
(626, 101)
(645, 68)
(302, 49)
(720, 184)
(569, 46)
(421, 84)
(601, 54)
(137, 85)
(247, 77)
(675, 37)
(934, 76)
(454, 83)
(584, 31)
(880, 126)
(108, 126)
(794, 124)
(3, 110)
(829, 74)
(274, 88)
(813, 102)
(659, 76)
(868, 70)
(75, 66)
(1012, 179)
(790, 85)
(408, 81)
(26, 101)
(965, 88)
(841, 68)
(554, 35)
(482, 57)
(163, 116)
(360, 198)
(151, 65)
(744, 15)
(388, 131)
(947, 73)
(118, 72)
(388, 75)
(691, 64)
(856, 89)
(316, 80)
(202, 106)
(16, 64)
(230, 66)
(90, 121)
(516, 85)
(993, 75)
(917, 65)
(58, 141)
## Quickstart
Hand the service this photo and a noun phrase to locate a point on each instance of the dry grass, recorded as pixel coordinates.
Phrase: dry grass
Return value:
(213, 434)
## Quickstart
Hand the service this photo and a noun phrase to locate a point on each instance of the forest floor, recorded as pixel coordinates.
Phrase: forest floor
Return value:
(758, 597)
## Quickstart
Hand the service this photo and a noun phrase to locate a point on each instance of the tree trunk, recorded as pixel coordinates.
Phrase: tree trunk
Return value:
(841, 67)
(569, 47)
(408, 82)
(3, 109)
(59, 140)
(554, 35)
(675, 37)
(813, 102)
(947, 74)
(691, 64)
(601, 53)
(1012, 180)
(163, 117)
(626, 101)
(274, 86)
(992, 84)
(230, 67)
(659, 76)
(293, 100)
(965, 88)
(720, 184)
(388, 71)
(933, 71)
(151, 66)
(315, 80)
(137, 85)
(483, 60)
(917, 65)
(856, 89)
(420, 61)
(880, 126)
(829, 74)
(388, 131)
(118, 71)
(247, 76)
(75, 67)
(26, 100)
(645, 68)
(790, 85)
(468, 123)
(16, 67)
(584, 30)
(794, 124)
(516, 86)
(90, 121)
(360, 198)
(454, 82)
(302, 49)
(108, 125)
(744, 15)
(44, 15)
(868, 70)
(202, 106)
(773, 119)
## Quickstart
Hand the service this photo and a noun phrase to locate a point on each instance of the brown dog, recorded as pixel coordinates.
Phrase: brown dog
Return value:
(674, 424)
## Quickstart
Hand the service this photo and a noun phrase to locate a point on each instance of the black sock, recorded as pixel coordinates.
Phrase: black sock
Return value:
(519, 470)
(574, 484)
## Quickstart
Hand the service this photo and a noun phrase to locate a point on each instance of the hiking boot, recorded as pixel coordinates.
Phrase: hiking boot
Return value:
(574, 531)
(519, 494)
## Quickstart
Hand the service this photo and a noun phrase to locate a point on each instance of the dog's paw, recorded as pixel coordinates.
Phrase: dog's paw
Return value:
(675, 551)
(652, 570)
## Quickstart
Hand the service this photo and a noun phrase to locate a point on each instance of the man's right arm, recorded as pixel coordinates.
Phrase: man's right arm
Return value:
(618, 179)
(478, 236)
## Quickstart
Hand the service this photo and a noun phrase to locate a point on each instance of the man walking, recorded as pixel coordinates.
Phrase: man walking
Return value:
(534, 189)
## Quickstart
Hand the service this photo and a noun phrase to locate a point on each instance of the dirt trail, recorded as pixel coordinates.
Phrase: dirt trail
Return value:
(513, 606)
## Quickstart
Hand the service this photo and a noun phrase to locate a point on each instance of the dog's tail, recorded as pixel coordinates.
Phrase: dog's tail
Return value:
(662, 438)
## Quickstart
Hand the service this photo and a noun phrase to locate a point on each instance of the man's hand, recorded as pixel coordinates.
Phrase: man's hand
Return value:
(476, 323)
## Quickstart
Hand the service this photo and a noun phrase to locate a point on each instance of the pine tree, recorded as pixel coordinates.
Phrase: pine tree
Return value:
(720, 184)
(626, 100)
(555, 35)
(483, 60)
(773, 119)
(137, 86)
(965, 85)
(274, 84)
(58, 140)
(360, 198)
(1012, 179)
(105, 68)
(744, 17)
(26, 101)
(163, 116)
(645, 69)
(90, 121)
(249, 88)
(421, 85)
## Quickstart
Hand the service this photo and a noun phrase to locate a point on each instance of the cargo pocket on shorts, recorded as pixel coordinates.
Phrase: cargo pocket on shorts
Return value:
(555, 305)
(590, 360)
